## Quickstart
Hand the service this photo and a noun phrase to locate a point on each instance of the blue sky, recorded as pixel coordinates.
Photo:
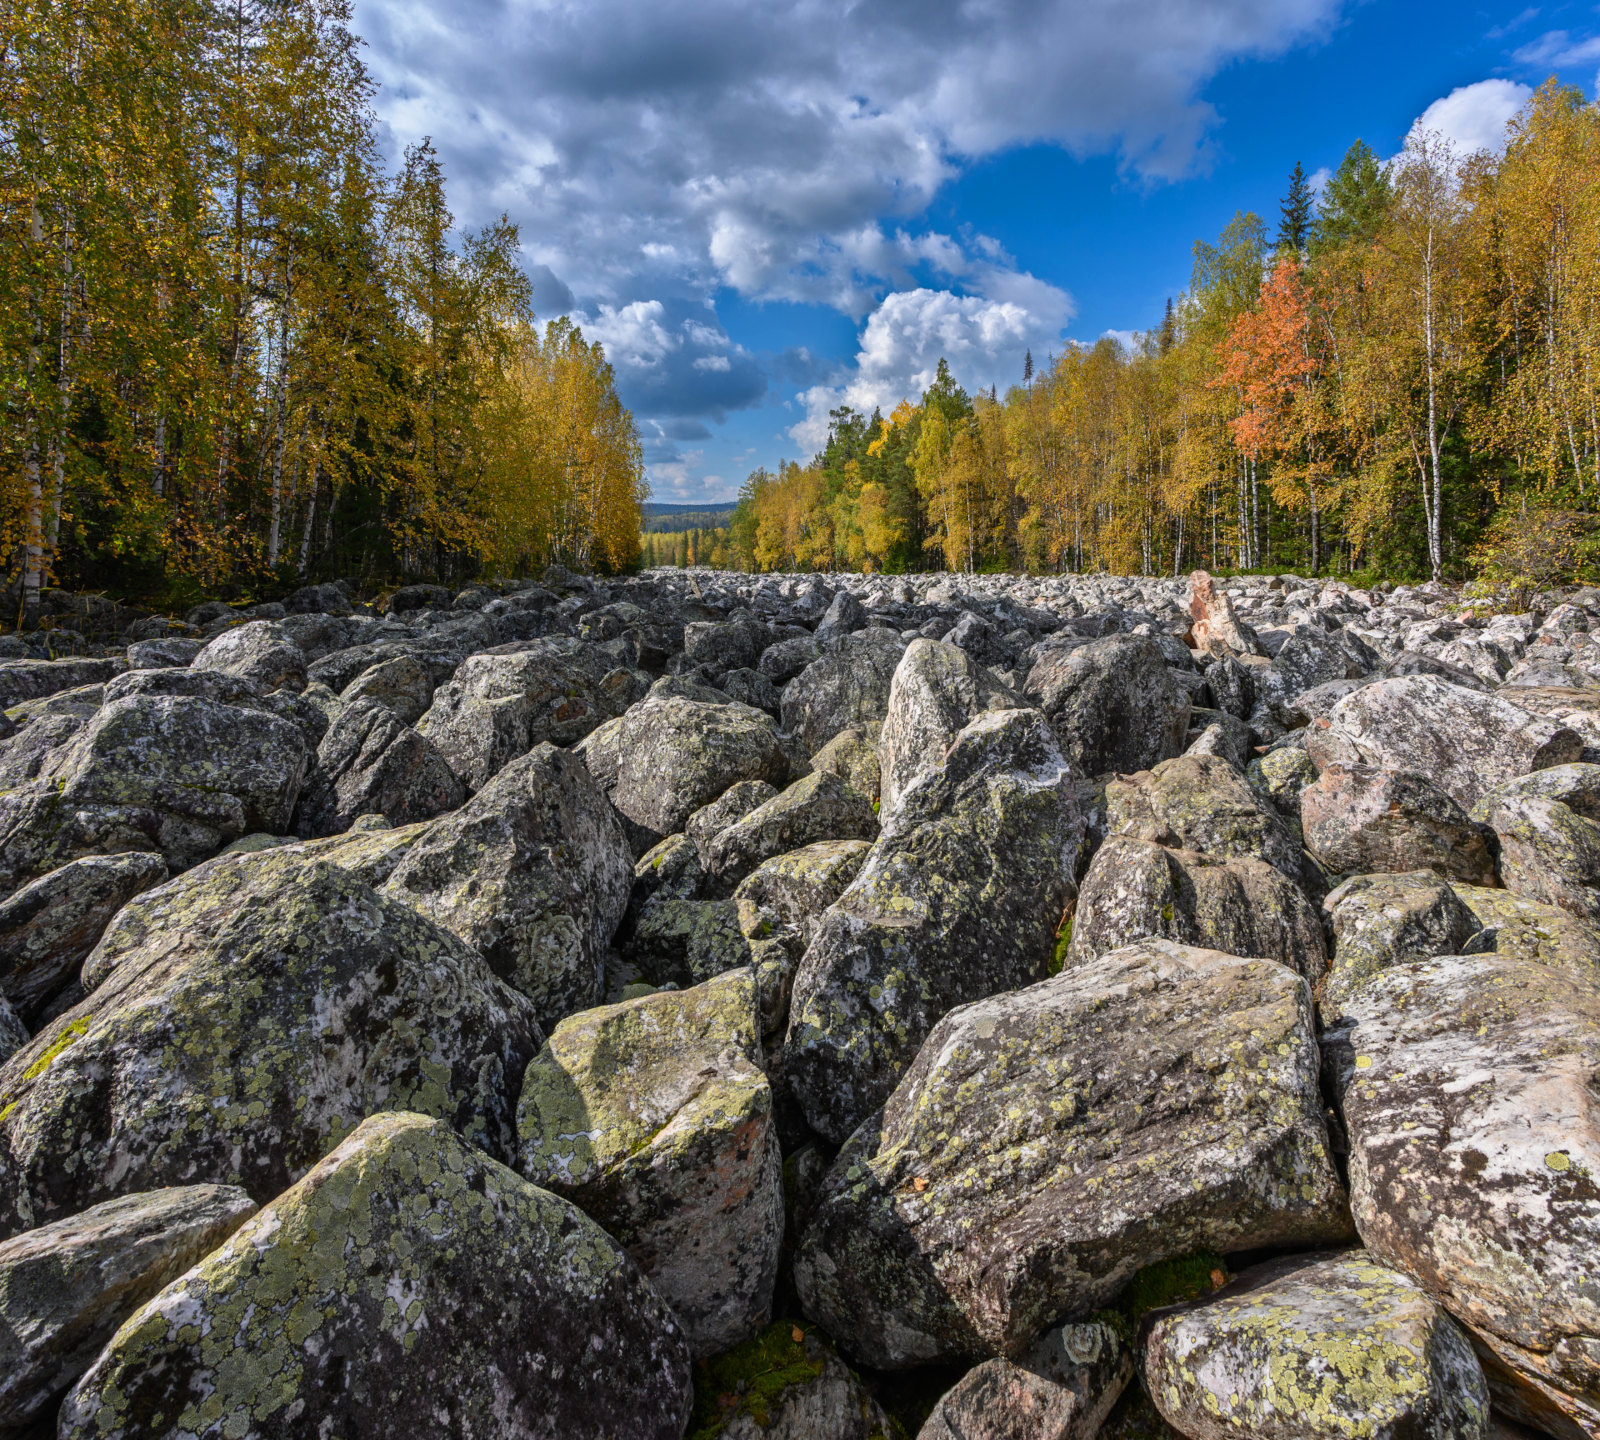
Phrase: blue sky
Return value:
(764, 209)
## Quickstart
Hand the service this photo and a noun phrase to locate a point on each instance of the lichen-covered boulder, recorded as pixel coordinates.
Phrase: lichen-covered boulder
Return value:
(1363, 820)
(655, 1118)
(667, 756)
(1049, 1143)
(1112, 703)
(786, 1384)
(726, 644)
(1474, 1146)
(682, 942)
(1465, 741)
(937, 690)
(66, 1288)
(371, 763)
(670, 870)
(1576, 786)
(1062, 1388)
(1201, 802)
(852, 755)
(961, 897)
(179, 774)
(13, 1033)
(1281, 777)
(499, 706)
(409, 1285)
(1548, 852)
(533, 872)
(1314, 1348)
(33, 679)
(730, 807)
(1381, 921)
(245, 1018)
(403, 683)
(782, 661)
(819, 808)
(369, 852)
(751, 687)
(779, 907)
(26, 751)
(847, 685)
(1136, 890)
(48, 928)
(259, 651)
(1222, 736)
(793, 890)
(1527, 930)
(438, 653)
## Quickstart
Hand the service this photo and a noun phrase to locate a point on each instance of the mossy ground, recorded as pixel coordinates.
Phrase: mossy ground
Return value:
(1185, 1277)
(750, 1379)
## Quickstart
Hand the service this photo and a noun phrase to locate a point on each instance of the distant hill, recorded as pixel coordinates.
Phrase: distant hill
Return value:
(659, 518)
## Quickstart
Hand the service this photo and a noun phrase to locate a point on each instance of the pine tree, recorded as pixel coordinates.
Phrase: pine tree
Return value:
(1294, 228)
(1027, 367)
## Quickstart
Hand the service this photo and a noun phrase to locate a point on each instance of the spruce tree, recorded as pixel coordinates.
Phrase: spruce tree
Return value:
(1294, 228)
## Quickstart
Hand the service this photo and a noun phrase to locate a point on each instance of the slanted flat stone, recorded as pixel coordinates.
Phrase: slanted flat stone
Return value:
(1049, 1143)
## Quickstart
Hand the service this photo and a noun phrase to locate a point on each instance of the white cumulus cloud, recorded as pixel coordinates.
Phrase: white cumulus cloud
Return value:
(1474, 117)
(983, 338)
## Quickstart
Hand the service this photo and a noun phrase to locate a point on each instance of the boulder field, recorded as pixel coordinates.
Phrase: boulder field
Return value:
(800, 1007)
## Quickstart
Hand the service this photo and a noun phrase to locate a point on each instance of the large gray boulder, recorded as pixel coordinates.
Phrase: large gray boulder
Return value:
(1314, 1348)
(781, 662)
(242, 1019)
(730, 807)
(66, 1288)
(1361, 820)
(725, 644)
(34, 679)
(1049, 1143)
(1465, 741)
(372, 763)
(1202, 802)
(182, 775)
(409, 1285)
(847, 685)
(818, 808)
(961, 897)
(496, 707)
(1312, 656)
(1474, 1139)
(936, 692)
(259, 651)
(1515, 926)
(403, 683)
(1548, 852)
(533, 873)
(1136, 890)
(1113, 704)
(667, 756)
(655, 1118)
(48, 928)
(1383, 921)
(778, 909)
